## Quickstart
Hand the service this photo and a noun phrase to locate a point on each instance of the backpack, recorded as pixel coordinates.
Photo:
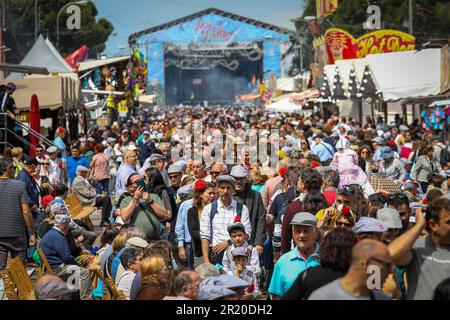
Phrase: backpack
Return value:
(276, 239)
(444, 156)
(239, 207)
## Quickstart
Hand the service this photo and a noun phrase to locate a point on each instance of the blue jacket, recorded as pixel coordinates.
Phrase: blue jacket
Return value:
(30, 185)
(73, 163)
(56, 249)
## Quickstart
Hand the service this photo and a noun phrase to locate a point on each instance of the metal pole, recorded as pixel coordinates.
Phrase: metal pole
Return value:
(35, 19)
(301, 55)
(411, 17)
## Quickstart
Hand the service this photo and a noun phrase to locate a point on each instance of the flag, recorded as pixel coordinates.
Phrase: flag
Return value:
(326, 7)
(77, 56)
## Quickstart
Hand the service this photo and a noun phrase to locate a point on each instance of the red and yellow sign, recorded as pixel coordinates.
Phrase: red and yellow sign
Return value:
(342, 45)
(326, 7)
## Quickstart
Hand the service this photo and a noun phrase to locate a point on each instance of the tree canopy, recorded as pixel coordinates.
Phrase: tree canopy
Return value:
(431, 18)
(20, 28)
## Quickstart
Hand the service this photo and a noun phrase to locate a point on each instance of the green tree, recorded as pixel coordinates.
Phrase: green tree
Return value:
(20, 28)
(431, 18)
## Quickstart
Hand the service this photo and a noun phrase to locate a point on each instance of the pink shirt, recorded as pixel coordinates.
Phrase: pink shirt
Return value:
(100, 164)
(269, 190)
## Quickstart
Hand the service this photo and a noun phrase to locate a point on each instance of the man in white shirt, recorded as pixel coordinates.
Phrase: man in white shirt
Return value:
(217, 216)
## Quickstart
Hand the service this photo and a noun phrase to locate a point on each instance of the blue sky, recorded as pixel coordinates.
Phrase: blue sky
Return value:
(129, 16)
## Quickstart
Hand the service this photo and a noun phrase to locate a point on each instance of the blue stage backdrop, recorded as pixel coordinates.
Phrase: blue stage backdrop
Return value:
(211, 28)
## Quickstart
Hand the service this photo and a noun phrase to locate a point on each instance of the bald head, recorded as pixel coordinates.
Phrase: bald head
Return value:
(130, 157)
(368, 249)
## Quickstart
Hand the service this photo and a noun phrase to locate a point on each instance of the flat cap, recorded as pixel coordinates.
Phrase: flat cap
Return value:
(226, 178)
(390, 217)
(236, 226)
(367, 224)
(240, 252)
(52, 149)
(239, 172)
(378, 140)
(174, 169)
(403, 128)
(186, 190)
(156, 157)
(146, 132)
(31, 161)
(226, 280)
(214, 292)
(82, 169)
(304, 219)
(111, 140)
(182, 164)
(136, 242)
(11, 86)
(62, 219)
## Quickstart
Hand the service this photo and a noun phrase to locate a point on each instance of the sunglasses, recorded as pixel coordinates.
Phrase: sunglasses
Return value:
(346, 190)
(397, 196)
(214, 173)
(174, 176)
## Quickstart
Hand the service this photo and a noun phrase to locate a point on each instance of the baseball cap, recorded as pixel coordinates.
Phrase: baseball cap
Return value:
(390, 217)
(386, 152)
(46, 200)
(304, 219)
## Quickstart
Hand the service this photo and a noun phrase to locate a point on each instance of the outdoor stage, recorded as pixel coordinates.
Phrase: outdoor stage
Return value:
(211, 56)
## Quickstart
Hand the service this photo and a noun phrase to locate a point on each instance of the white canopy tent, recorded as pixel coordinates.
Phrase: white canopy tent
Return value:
(44, 55)
(284, 105)
(409, 74)
(397, 75)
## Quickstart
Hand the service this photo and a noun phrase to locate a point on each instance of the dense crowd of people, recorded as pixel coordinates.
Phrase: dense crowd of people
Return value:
(346, 211)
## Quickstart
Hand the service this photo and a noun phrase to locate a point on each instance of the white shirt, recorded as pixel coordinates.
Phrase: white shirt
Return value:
(223, 218)
(124, 282)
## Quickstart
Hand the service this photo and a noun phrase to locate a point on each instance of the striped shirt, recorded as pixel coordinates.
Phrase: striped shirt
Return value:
(223, 218)
(12, 195)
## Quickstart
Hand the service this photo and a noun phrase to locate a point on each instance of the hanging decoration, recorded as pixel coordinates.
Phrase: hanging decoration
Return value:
(136, 77)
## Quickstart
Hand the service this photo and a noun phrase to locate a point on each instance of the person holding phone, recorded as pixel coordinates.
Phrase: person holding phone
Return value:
(141, 208)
